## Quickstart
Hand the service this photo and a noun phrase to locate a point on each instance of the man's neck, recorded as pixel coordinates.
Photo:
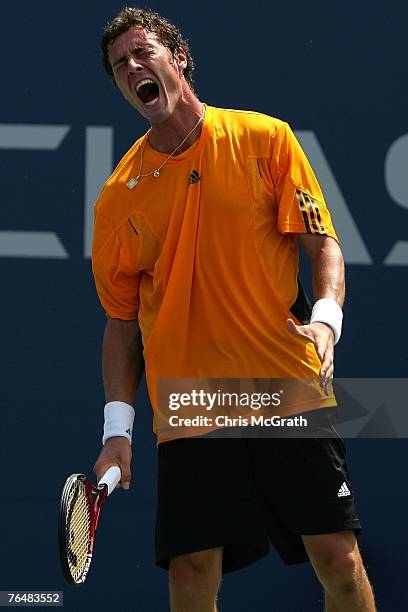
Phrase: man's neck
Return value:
(166, 136)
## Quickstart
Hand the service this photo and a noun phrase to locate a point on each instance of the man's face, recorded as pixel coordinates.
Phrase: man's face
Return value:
(148, 76)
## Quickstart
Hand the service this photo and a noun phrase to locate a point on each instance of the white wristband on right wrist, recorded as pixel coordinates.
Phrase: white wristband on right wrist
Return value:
(119, 418)
(328, 311)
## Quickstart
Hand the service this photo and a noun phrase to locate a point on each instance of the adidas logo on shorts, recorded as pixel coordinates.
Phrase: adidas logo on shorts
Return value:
(343, 491)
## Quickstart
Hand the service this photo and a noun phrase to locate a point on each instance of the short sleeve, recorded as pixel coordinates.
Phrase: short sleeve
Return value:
(115, 272)
(301, 205)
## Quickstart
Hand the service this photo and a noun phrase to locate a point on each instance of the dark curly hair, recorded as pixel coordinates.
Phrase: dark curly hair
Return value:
(168, 35)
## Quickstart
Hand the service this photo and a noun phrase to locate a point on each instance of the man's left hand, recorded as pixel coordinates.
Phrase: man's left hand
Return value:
(322, 337)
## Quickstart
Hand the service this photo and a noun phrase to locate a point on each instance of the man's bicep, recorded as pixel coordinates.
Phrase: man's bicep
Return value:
(313, 244)
(125, 328)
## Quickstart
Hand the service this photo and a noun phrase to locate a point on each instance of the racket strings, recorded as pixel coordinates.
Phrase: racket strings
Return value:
(78, 530)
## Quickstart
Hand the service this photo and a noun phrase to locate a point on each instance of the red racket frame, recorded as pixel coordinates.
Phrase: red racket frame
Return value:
(95, 505)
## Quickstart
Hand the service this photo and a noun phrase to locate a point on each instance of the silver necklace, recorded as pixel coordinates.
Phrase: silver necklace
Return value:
(156, 173)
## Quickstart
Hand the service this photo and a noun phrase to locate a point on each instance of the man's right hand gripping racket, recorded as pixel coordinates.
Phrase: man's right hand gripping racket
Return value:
(81, 503)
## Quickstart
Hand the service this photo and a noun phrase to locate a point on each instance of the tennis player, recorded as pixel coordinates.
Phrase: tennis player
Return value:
(195, 241)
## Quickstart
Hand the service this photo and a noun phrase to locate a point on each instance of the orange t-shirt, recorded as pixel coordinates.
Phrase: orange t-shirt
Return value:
(205, 256)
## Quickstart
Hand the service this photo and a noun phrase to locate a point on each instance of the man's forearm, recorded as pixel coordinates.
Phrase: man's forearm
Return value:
(122, 360)
(327, 265)
(328, 275)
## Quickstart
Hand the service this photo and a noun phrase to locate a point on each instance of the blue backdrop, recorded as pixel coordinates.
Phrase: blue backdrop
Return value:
(336, 72)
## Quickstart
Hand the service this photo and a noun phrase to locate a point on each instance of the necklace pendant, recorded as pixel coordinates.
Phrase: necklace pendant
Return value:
(156, 173)
(132, 183)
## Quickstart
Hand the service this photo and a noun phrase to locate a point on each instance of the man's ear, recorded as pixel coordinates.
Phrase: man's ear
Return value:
(181, 58)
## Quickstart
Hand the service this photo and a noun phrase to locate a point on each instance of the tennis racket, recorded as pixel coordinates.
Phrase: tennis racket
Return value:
(81, 503)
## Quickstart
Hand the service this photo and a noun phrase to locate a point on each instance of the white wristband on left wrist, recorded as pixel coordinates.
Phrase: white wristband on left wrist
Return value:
(328, 311)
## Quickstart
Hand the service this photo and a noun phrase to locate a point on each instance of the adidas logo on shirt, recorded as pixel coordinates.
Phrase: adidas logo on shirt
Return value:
(194, 177)
(343, 491)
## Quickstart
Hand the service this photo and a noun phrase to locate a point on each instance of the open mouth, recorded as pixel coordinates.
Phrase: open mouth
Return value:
(147, 91)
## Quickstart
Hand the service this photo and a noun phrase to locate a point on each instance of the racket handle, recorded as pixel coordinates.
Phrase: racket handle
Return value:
(111, 478)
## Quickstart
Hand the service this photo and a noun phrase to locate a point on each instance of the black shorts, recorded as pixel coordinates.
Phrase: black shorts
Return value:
(244, 494)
